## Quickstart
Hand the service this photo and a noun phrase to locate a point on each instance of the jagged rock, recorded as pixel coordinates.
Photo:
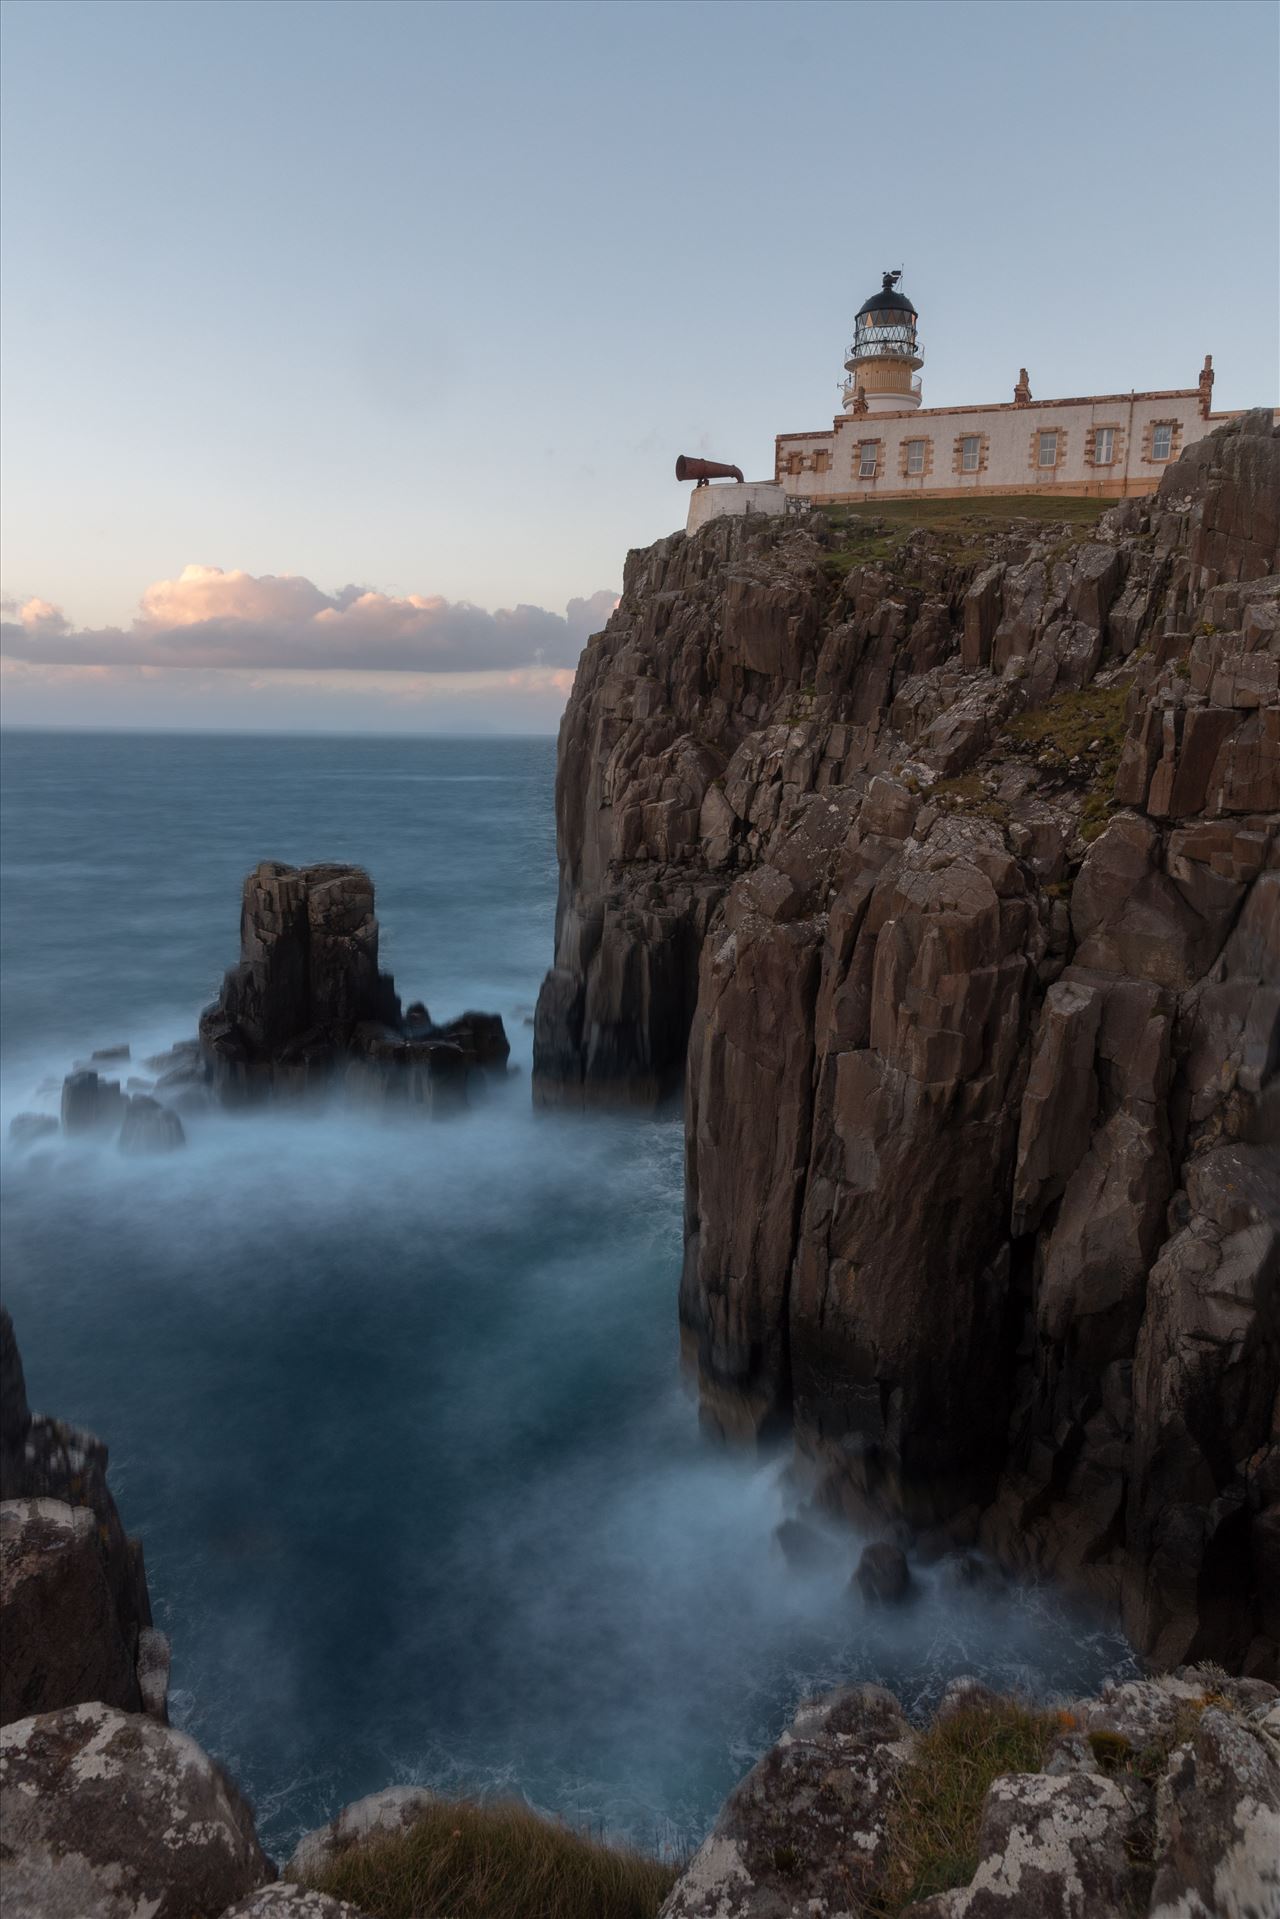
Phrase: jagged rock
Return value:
(1052, 1847)
(62, 1637)
(1218, 1823)
(183, 1053)
(153, 1667)
(805, 1830)
(149, 1127)
(45, 1463)
(283, 1901)
(804, 1546)
(1206, 1379)
(1161, 1797)
(963, 994)
(307, 1003)
(15, 1413)
(883, 1575)
(390, 1810)
(91, 1104)
(108, 1815)
(26, 1129)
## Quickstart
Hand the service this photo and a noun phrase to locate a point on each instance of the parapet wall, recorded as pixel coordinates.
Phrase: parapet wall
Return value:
(728, 496)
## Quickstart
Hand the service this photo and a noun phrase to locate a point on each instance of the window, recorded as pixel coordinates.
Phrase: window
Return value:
(867, 455)
(1104, 445)
(1162, 440)
(970, 452)
(1046, 449)
(915, 456)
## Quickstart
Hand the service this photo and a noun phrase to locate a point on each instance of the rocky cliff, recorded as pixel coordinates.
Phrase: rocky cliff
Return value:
(73, 1588)
(940, 866)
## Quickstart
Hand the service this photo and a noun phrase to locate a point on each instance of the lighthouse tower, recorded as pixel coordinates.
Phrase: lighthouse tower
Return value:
(885, 354)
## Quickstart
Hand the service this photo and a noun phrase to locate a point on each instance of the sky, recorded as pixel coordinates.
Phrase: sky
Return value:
(347, 348)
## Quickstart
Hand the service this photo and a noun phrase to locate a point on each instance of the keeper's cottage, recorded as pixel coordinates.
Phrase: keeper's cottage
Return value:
(886, 446)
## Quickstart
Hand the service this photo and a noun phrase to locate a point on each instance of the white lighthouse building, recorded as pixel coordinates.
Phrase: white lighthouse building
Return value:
(886, 444)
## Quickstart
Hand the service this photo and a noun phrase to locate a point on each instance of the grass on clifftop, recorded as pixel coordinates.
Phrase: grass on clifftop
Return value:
(935, 1819)
(874, 532)
(461, 1861)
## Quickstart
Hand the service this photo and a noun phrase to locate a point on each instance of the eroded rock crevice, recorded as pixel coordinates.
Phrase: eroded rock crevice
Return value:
(940, 865)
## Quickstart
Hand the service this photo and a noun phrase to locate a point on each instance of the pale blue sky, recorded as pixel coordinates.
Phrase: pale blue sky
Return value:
(428, 297)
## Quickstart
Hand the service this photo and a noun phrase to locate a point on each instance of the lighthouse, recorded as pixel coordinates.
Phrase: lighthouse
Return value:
(885, 354)
(885, 445)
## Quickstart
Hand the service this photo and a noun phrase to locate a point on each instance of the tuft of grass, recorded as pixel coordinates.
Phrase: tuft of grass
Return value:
(1088, 727)
(936, 1815)
(461, 1861)
(1113, 1752)
(967, 793)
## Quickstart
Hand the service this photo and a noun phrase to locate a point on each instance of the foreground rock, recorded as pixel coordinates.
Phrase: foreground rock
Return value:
(805, 1832)
(74, 1607)
(107, 1815)
(281, 1901)
(307, 1006)
(944, 871)
(1178, 1816)
(388, 1811)
(62, 1634)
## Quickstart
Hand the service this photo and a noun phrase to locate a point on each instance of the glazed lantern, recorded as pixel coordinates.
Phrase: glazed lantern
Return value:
(885, 355)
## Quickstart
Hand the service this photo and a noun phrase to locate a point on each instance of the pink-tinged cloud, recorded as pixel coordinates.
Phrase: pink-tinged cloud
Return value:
(211, 618)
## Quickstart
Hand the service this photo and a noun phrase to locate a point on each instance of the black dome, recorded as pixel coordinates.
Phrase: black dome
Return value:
(888, 300)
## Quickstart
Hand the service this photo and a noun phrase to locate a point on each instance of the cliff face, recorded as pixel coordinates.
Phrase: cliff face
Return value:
(942, 868)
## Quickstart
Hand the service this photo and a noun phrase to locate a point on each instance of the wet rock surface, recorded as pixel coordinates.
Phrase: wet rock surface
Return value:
(883, 1575)
(943, 871)
(149, 1127)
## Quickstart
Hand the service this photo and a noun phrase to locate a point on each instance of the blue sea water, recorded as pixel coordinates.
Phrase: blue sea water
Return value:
(395, 1406)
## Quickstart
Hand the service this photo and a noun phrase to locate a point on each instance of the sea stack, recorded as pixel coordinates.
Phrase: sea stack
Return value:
(307, 1006)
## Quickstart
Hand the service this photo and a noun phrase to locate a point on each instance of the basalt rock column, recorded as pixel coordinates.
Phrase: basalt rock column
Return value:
(956, 855)
(308, 973)
(307, 1006)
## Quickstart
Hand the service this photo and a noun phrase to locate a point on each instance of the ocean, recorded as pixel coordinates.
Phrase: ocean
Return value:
(395, 1406)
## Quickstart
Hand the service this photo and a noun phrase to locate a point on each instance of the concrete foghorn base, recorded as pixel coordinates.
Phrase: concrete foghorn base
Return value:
(712, 501)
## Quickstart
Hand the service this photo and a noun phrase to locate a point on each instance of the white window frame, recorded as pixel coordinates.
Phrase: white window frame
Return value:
(970, 441)
(1157, 428)
(1104, 436)
(1042, 434)
(868, 450)
(915, 456)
